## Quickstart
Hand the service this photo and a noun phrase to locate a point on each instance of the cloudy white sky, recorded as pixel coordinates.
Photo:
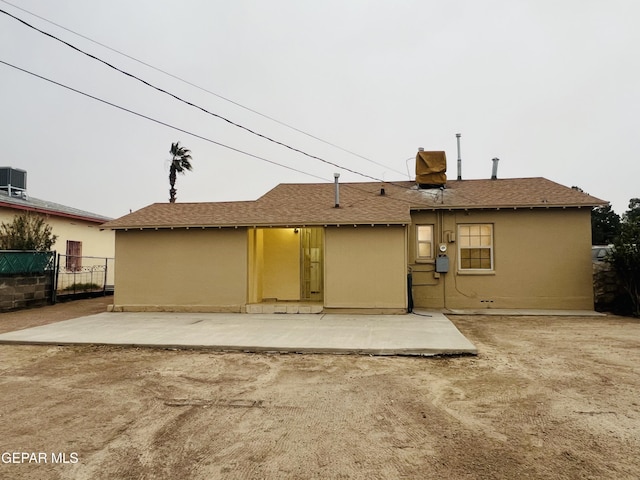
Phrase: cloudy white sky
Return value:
(550, 87)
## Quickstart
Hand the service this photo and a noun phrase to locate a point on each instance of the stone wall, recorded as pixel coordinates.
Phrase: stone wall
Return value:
(22, 291)
(609, 294)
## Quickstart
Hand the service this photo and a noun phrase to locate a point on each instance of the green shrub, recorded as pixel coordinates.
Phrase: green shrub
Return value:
(82, 287)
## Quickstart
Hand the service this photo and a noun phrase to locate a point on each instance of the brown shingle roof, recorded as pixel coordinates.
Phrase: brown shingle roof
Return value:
(511, 192)
(360, 203)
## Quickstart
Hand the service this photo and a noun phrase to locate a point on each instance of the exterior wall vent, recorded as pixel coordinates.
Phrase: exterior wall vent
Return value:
(431, 168)
(13, 182)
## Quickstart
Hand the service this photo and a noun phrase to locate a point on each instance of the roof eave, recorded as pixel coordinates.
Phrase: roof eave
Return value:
(55, 213)
(260, 225)
(506, 207)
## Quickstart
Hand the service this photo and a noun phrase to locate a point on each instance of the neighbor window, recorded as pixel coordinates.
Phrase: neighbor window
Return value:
(74, 255)
(475, 246)
(424, 245)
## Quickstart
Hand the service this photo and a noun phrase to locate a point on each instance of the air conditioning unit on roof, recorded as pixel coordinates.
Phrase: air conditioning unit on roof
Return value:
(13, 181)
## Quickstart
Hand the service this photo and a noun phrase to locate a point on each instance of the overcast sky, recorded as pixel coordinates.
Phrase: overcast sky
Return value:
(551, 88)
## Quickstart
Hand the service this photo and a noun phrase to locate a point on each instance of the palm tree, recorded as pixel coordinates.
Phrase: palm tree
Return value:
(180, 162)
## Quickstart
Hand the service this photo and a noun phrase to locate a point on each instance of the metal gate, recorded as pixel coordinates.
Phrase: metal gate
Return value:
(83, 276)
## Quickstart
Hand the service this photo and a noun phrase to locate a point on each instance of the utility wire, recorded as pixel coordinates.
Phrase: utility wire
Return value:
(188, 102)
(204, 89)
(146, 117)
(199, 108)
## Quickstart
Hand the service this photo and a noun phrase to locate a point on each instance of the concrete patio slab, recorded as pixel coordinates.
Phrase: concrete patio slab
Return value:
(525, 312)
(427, 334)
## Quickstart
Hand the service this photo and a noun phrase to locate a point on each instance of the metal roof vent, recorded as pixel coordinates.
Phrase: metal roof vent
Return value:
(458, 135)
(13, 182)
(494, 169)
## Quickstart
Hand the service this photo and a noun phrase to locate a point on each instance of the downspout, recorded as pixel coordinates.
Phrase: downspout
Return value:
(409, 284)
(409, 292)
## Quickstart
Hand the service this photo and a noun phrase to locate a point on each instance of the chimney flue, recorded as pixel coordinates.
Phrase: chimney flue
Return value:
(336, 176)
(458, 135)
(494, 170)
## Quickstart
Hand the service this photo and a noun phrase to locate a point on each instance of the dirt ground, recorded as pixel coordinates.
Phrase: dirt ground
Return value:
(547, 397)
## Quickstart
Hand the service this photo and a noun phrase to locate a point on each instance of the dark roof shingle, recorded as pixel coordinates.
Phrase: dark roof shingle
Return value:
(49, 208)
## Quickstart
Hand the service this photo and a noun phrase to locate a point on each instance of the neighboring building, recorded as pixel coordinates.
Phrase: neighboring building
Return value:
(78, 232)
(467, 244)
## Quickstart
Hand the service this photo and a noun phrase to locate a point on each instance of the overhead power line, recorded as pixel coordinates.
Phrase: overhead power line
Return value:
(193, 85)
(226, 99)
(161, 90)
(201, 137)
(160, 122)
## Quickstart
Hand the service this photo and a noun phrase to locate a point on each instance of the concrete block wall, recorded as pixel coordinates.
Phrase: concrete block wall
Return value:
(23, 291)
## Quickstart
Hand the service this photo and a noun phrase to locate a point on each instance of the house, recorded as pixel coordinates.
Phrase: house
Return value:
(362, 247)
(78, 232)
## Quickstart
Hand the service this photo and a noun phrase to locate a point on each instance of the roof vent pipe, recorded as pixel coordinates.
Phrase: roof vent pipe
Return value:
(494, 170)
(458, 135)
(336, 176)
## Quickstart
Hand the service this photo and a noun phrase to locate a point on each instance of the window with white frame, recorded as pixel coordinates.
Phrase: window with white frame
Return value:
(424, 242)
(475, 246)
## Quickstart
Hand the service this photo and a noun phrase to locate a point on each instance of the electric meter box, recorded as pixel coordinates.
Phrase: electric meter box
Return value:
(442, 264)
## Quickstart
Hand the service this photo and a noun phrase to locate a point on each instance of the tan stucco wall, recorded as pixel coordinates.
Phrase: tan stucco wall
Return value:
(365, 267)
(197, 270)
(281, 264)
(542, 260)
(256, 264)
(428, 292)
